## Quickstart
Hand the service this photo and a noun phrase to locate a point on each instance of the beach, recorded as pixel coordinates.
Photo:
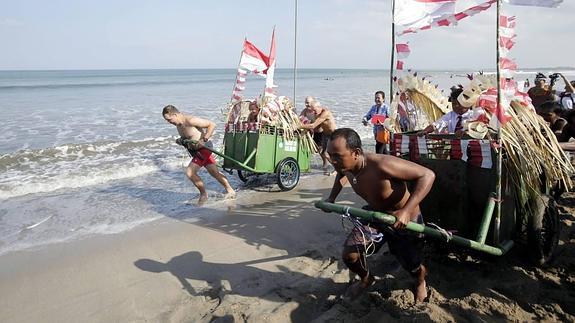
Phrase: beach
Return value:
(96, 223)
(271, 256)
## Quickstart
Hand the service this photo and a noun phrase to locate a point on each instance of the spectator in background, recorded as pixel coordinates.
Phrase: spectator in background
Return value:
(568, 131)
(452, 122)
(567, 98)
(541, 92)
(551, 112)
(379, 132)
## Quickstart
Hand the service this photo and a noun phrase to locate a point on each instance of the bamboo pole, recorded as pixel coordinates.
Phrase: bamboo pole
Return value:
(499, 141)
(416, 227)
(239, 61)
(295, 57)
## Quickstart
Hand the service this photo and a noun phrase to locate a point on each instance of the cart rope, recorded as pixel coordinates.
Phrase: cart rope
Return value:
(446, 234)
(369, 238)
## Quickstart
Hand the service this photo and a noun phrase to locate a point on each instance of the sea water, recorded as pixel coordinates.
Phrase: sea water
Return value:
(88, 152)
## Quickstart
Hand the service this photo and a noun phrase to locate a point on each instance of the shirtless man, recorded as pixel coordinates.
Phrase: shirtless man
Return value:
(381, 181)
(201, 130)
(323, 123)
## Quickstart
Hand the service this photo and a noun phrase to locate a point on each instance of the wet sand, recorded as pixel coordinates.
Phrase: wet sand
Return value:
(271, 256)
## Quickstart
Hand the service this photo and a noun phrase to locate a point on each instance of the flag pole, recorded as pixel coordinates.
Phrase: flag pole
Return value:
(295, 56)
(392, 51)
(499, 142)
(239, 62)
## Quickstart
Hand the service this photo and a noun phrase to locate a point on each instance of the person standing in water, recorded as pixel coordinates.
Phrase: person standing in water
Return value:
(200, 130)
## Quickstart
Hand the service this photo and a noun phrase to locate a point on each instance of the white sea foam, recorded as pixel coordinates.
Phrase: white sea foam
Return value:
(34, 185)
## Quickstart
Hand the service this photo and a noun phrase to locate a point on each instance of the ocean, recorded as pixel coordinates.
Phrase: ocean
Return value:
(88, 152)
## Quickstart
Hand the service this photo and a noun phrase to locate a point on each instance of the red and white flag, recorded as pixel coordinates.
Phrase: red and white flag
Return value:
(253, 59)
(271, 63)
(488, 101)
(402, 50)
(399, 65)
(448, 19)
(507, 22)
(535, 3)
(415, 14)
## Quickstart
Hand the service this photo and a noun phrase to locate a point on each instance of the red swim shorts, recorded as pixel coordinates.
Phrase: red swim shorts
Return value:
(203, 157)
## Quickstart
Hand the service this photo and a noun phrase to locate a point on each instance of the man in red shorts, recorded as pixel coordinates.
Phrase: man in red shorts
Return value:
(201, 130)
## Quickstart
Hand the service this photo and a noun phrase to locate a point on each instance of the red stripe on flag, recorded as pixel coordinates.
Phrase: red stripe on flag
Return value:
(506, 42)
(413, 149)
(399, 65)
(443, 22)
(396, 145)
(475, 157)
(251, 50)
(507, 22)
(402, 48)
(508, 64)
(456, 149)
(461, 15)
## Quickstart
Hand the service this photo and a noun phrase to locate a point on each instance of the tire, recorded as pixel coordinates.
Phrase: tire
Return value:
(543, 229)
(288, 174)
(243, 175)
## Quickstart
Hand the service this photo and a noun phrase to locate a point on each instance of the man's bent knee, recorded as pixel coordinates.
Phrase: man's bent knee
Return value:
(192, 171)
(350, 256)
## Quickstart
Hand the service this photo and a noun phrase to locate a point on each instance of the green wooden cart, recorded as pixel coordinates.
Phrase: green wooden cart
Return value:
(253, 150)
(460, 207)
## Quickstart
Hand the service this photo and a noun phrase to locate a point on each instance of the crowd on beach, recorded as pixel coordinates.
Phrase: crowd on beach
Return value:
(555, 107)
(379, 178)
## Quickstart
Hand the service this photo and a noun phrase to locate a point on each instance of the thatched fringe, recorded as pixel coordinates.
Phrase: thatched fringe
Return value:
(428, 106)
(531, 151)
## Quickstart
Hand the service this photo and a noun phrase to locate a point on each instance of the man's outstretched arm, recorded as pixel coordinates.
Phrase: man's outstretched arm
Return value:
(336, 188)
(408, 171)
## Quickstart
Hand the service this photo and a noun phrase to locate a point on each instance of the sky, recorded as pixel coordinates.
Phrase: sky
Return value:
(143, 34)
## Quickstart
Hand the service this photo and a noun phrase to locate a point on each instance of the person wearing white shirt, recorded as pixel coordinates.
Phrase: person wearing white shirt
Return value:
(453, 121)
(567, 98)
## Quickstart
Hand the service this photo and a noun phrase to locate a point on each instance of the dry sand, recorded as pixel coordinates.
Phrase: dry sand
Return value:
(271, 257)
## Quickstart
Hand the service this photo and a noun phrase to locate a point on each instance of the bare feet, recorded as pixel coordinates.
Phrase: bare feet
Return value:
(359, 287)
(203, 199)
(230, 195)
(421, 293)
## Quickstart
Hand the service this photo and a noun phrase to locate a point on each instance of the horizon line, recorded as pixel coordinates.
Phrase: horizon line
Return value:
(285, 68)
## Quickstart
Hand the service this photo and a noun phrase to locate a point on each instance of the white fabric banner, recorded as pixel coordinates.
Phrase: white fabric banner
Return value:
(419, 13)
(535, 3)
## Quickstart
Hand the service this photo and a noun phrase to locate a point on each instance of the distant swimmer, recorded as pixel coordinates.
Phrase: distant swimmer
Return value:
(382, 181)
(200, 130)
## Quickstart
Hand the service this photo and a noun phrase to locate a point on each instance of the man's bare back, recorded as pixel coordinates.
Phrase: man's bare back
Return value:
(326, 121)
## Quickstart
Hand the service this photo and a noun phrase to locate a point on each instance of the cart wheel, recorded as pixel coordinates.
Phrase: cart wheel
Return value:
(543, 229)
(288, 174)
(243, 175)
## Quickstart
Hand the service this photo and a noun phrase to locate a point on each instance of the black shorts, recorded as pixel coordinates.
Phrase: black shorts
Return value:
(405, 245)
(321, 140)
